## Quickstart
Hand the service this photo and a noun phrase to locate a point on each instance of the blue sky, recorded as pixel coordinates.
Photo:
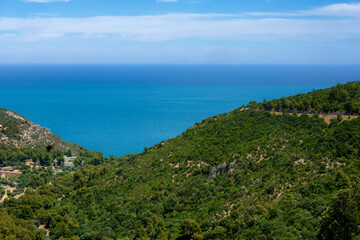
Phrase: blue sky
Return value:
(180, 31)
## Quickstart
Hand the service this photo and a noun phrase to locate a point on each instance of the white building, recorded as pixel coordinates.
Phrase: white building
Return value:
(69, 161)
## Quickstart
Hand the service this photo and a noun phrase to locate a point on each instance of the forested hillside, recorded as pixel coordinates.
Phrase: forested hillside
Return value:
(343, 98)
(247, 174)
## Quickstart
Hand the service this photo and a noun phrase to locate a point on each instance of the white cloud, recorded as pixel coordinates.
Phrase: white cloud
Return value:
(45, 1)
(340, 9)
(261, 26)
(7, 35)
(335, 10)
(160, 28)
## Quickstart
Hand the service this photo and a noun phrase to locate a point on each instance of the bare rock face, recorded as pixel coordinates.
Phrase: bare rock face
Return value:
(222, 168)
(28, 134)
(212, 173)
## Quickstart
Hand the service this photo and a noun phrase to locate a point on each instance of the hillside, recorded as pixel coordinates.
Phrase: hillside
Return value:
(343, 98)
(17, 131)
(247, 174)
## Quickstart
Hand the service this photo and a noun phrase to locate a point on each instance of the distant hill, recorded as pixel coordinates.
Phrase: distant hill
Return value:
(343, 98)
(16, 130)
(246, 174)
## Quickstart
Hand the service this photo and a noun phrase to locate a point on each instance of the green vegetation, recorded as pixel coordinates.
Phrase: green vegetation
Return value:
(342, 219)
(13, 228)
(342, 98)
(10, 126)
(241, 175)
(2, 191)
(13, 156)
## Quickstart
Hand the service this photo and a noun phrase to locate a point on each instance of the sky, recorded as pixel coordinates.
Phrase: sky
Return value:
(180, 31)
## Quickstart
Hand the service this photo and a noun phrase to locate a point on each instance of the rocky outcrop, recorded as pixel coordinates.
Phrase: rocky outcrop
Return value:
(30, 134)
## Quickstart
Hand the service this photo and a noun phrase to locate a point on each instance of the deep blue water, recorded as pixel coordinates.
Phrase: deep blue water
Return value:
(119, 109)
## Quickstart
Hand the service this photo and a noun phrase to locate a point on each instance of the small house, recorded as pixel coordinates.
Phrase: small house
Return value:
(69, 161)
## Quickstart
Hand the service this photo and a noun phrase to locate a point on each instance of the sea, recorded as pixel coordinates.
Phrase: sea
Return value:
(120, 109)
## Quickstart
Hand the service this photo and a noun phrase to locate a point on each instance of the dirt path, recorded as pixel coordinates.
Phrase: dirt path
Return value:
(11, 189)
(326, 117)
(4, 197)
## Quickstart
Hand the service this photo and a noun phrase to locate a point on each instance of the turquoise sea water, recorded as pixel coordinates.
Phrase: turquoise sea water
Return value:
(119, 109)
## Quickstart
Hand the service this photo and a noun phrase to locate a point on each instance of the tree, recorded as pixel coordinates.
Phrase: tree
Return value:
(60, 161)
(68, 153)
(342, 218)
(190, 230)
(25, 212)
(45, 159)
